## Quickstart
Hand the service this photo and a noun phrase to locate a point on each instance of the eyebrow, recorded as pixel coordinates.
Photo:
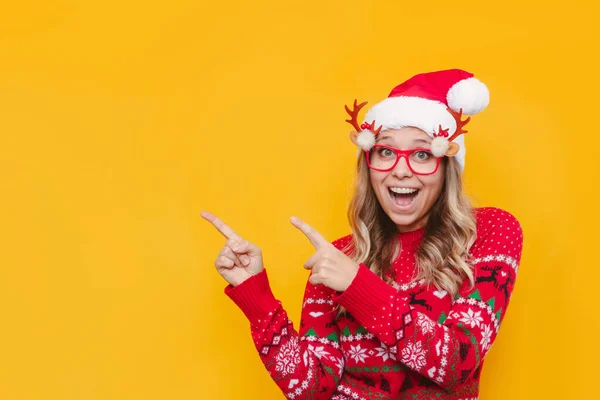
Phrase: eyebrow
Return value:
(381, 139)
(414, 141)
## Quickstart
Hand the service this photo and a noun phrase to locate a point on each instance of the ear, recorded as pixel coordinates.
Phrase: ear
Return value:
(353, 136)
(452, 149)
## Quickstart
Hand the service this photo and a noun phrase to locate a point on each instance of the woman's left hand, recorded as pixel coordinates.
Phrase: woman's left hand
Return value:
(330, 266)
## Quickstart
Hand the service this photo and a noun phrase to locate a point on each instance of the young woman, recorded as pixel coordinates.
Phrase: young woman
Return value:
(409, 304)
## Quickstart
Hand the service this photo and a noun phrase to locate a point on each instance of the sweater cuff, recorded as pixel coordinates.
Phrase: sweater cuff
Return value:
(254, 297)
(367, 296)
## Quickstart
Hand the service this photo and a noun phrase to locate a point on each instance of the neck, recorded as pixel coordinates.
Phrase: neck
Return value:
(408, 229)
(418, 224)
(413, 227)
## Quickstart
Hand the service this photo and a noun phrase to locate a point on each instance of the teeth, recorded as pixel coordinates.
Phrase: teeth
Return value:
(403, 190)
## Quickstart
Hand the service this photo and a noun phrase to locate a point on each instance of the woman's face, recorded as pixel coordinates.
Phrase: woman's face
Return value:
(409, 212)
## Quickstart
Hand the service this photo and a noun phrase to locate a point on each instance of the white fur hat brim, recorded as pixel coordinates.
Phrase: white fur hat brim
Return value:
(399, 112)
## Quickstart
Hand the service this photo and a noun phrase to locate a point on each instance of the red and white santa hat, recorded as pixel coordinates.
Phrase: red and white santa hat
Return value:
(433, 102)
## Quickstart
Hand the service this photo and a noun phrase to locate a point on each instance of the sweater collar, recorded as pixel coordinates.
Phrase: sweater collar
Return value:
(411, 239)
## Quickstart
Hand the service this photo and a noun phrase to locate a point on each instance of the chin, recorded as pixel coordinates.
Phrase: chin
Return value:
(406, 222)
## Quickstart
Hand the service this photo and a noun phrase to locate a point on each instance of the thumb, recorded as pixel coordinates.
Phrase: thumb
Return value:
(245, 247)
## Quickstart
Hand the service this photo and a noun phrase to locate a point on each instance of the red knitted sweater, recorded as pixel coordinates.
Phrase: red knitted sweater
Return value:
(401, 341)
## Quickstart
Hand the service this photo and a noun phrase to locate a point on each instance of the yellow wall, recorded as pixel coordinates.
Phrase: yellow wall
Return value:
(121, 120)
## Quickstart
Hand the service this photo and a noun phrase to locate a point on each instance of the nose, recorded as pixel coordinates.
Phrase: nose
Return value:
(402, 169)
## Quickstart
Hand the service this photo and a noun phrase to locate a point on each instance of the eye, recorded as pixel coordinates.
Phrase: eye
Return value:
(422, 155)
(385, 152)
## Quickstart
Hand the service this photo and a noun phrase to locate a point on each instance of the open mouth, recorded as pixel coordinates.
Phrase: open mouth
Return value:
(403, 197)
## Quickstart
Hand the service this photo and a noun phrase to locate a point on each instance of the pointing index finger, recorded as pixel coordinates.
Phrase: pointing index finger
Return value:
(220, 225)
(317, 240)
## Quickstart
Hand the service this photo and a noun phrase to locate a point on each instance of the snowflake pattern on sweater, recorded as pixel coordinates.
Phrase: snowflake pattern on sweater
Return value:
(400, 341)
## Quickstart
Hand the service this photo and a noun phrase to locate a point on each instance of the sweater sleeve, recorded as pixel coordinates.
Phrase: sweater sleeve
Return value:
(305, 364)
(449, 350)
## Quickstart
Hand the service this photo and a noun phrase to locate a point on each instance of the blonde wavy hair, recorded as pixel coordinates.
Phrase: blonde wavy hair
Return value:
(442, 258)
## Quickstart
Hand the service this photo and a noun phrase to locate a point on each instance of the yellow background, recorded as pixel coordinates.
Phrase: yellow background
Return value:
(121, 121)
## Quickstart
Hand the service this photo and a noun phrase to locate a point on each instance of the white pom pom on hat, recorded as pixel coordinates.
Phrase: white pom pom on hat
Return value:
(470, 95)
(423, 101)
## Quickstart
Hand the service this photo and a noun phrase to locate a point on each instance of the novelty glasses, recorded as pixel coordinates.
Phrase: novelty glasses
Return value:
(419, 160)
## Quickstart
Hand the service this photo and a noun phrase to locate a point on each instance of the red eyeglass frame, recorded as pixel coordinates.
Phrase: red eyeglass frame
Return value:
(400, 154)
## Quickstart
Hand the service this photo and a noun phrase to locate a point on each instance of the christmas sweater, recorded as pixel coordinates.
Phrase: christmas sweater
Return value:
(404, 340)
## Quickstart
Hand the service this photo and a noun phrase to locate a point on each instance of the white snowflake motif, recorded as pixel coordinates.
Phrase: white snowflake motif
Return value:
(339, 362)
(486, 337)
(384, 352)
(413, 356)
(318, 351)
(287, 358)
(357, 353)
(471, 301)
(471, 318)
(426, 324)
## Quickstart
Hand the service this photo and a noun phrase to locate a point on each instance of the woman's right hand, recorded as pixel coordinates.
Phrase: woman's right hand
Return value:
(239, 259)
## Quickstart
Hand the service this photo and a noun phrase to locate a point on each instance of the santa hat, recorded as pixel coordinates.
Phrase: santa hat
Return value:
(433, 102)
